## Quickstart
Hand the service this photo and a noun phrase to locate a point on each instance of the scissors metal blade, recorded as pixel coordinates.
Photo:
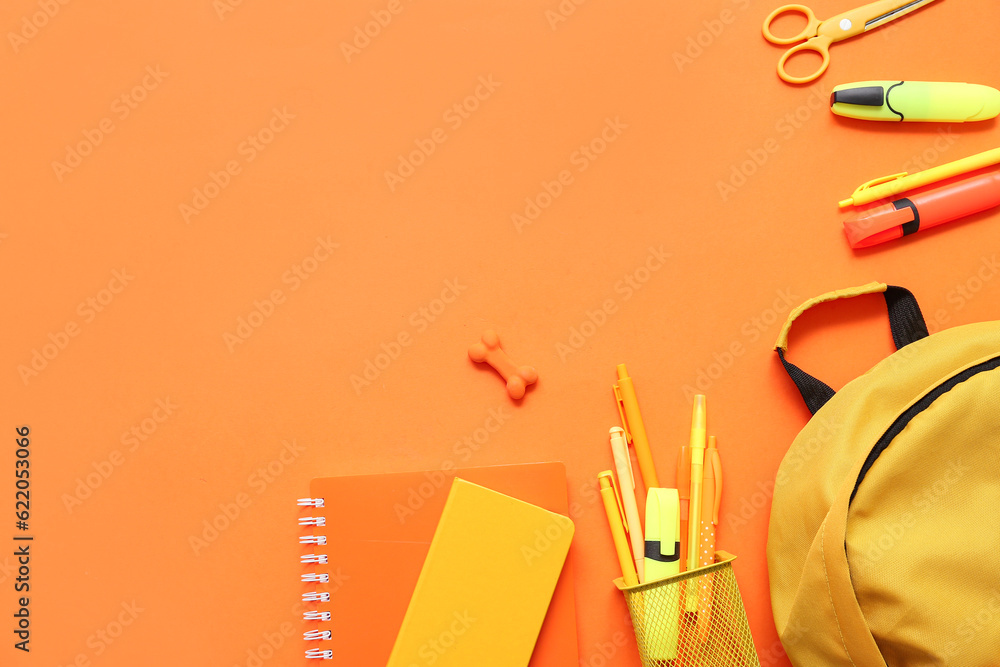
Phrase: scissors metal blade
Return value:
(896, 13)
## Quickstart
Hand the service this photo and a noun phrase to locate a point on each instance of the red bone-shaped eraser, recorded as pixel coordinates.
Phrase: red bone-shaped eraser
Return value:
(517, 377)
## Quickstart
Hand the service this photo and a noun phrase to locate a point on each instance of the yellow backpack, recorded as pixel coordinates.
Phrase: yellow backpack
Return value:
(884, 542)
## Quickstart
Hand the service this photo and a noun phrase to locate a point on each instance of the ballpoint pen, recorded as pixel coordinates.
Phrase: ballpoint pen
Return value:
(924, 210)
(890, 186)
(626, 485)
(613, 508)
(635, 430)
(699, 422)
(711, 494)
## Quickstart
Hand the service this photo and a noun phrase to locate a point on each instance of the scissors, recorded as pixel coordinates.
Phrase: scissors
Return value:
(819, 35)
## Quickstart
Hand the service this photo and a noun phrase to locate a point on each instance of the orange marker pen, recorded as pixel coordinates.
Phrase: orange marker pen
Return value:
(924, 210)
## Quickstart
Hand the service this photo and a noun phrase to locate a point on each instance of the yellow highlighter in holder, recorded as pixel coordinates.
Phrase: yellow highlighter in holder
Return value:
(663, 559)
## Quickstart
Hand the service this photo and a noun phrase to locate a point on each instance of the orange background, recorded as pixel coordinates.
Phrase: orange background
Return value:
(688, 97)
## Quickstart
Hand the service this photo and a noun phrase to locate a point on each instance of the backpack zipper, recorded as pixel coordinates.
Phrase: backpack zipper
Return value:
(915, 409)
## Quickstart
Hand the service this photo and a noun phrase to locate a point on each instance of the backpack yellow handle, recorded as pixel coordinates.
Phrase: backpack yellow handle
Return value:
(870, 288)
(905, 320)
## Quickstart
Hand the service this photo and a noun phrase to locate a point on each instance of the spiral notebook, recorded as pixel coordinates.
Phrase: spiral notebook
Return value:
(364, 548)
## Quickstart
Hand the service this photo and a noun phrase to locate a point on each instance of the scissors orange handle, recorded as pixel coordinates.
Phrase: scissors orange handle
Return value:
(820, 45)
(819, 35)
(811, 29)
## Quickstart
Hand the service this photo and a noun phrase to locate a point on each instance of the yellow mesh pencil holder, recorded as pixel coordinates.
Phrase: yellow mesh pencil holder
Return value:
(692, 619)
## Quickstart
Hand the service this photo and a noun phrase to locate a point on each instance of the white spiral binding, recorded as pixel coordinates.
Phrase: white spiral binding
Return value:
(315, 578)
(316, 616)
(322, 654)
(315, 597)
(312, 521)
(313, 559)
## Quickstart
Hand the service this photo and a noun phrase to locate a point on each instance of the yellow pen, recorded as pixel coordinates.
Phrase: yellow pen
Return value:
(699, 428)
(613, 507)
(635, 430)
(890, 186)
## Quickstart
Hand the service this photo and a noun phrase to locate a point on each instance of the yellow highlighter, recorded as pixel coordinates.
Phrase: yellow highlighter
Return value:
(663, 559)
(915, 101)
(699, 428)
(616, 519)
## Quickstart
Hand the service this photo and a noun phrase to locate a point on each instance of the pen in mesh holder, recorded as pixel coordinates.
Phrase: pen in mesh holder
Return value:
(692, 619)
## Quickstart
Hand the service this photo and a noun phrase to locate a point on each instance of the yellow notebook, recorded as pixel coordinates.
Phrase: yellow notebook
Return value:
(486, 583)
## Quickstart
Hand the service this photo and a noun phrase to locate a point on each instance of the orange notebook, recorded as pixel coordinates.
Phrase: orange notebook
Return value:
(378, 531)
